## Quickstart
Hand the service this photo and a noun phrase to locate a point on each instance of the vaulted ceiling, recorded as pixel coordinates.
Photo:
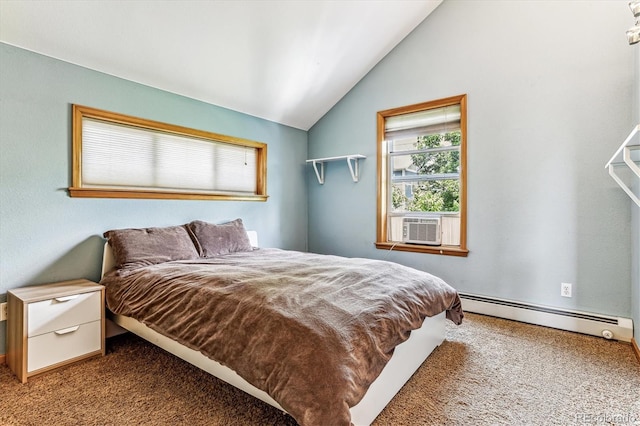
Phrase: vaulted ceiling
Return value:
(285, 61)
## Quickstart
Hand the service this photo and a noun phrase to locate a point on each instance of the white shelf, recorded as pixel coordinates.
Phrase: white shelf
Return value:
(627, 154)
(352, 162)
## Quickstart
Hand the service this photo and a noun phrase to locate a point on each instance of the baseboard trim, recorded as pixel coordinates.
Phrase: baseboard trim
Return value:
(569, 320)
(3, 359)
(636, 349)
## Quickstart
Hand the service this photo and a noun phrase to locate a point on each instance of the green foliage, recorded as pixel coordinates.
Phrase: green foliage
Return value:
(433, 195)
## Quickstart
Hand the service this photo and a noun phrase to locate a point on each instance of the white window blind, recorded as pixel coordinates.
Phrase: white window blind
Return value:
(427, 122)
(121, 156)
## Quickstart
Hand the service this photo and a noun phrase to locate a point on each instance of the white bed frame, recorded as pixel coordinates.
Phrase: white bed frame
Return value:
(407, 358)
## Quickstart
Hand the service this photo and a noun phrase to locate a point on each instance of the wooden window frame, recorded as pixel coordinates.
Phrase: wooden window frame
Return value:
(382, 239)
(78, 190)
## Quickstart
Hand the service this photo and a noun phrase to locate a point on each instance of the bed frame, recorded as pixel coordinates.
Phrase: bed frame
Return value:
(407, 358)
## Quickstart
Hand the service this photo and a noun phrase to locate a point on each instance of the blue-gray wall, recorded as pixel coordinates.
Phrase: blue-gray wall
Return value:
(47, 236)
(549, 89)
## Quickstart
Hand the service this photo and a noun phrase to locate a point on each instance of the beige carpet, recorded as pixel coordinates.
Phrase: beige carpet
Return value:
(487, 372)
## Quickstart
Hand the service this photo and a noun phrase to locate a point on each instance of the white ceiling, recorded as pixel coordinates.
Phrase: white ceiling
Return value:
(285, 61)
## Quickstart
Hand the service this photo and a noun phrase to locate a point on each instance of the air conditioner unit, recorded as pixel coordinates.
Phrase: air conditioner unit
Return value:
(422, 230)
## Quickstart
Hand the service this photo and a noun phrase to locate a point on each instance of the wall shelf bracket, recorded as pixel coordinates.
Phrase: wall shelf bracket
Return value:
(627, 154)
(352, 162)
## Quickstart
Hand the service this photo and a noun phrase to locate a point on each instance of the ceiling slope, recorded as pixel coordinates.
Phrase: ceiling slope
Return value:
(284, 61)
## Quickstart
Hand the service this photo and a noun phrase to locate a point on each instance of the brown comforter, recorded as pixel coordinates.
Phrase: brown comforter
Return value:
(313, 331)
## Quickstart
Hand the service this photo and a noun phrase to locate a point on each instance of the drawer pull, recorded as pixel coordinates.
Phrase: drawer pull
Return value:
(67, 330)
(66, 298)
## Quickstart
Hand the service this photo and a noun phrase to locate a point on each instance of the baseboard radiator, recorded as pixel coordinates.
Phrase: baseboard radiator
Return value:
(581, 322)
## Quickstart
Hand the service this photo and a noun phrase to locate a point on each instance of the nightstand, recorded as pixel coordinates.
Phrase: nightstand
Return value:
(52, 325)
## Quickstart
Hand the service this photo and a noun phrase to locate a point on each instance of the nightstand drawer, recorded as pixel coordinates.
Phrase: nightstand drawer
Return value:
(63, 312)
(63, 344)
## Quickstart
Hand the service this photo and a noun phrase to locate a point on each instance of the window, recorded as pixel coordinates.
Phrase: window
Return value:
(117, 156)
(422, 177)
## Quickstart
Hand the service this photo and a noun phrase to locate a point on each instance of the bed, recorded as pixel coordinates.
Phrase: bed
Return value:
(324, 338)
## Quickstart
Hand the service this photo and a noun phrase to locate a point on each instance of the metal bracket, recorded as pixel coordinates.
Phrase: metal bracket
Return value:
(352, 162)
(624, 151)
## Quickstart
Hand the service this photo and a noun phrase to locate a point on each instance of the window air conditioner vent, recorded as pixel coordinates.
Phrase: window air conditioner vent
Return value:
(422, 230)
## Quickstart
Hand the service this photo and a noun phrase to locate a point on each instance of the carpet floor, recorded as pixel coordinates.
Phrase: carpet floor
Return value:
(487, 372)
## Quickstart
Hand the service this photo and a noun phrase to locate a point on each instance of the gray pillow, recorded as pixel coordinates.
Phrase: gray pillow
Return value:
(147, 246)
(215, 240)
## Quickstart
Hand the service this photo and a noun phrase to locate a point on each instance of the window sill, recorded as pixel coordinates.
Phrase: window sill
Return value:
(160, 195)
(443, 250)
